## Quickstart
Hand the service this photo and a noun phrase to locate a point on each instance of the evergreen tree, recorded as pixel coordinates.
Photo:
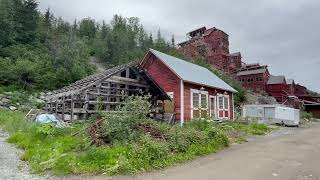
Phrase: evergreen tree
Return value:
(87, 28)
(26, 20)
(173, 43)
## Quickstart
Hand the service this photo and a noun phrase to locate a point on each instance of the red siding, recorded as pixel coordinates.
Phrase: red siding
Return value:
(278, 91)
(170, 82)
(211, 92)
(213, 45)
(166, 79)
(255, 86)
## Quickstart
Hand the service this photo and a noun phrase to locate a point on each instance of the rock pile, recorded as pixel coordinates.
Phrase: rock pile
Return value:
(260, 99)
(21, 101)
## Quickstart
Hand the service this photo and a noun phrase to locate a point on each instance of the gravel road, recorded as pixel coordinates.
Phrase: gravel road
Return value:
(11, 167)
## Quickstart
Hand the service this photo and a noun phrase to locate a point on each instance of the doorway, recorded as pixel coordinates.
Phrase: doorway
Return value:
(213, 104)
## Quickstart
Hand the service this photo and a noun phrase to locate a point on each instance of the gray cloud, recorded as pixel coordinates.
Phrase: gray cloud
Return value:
(279, 33)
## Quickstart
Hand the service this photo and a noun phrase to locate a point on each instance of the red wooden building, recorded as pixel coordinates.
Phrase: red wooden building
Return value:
(254, 77)
(290, 86)
(314, 109)
(195, 91)
(213, 45)
(277, 88)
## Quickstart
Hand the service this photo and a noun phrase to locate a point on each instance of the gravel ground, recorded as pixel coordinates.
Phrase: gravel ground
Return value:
(11, 167)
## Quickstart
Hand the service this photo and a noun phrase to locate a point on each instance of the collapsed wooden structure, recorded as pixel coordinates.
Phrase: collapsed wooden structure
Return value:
(103, 92)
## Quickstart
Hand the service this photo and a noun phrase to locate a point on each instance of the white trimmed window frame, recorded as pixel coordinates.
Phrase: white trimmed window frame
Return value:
(199, 92)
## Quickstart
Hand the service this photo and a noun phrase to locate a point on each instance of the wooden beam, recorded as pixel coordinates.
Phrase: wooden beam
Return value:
(63, 108)
(72, 109)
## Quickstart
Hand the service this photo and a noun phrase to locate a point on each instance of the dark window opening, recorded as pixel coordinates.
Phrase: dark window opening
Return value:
(123, 73)
(132, 74)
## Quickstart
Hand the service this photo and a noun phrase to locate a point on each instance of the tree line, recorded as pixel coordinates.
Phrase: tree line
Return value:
(39, 51)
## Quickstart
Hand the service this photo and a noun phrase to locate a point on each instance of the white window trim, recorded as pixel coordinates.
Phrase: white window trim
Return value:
(181, 102)
(191, 100)
(232, 106)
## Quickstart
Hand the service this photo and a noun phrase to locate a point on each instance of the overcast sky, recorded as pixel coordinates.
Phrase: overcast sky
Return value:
(283, 34)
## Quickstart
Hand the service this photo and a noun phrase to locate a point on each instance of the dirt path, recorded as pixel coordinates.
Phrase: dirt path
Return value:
(11, 168)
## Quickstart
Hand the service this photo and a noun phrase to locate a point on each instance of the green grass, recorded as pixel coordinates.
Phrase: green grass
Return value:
(237, 132)
(68, 151)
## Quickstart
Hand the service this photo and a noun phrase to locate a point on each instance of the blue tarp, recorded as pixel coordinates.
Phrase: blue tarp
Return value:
(49, 118)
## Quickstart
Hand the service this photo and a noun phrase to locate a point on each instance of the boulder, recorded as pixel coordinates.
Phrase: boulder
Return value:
(12, 108)
(8, 93)
(40, 101)
(5, 100)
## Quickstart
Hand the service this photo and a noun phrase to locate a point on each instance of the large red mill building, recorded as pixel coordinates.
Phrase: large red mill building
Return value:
(213, 45)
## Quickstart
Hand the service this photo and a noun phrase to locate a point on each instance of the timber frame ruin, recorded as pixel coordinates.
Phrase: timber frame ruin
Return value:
(103, 92)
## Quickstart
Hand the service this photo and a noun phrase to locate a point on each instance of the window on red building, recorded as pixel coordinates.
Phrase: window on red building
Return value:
(258, 79)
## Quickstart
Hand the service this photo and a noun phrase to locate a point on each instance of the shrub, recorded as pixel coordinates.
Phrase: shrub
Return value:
(45, 129)
(199, 124)
(258, 129)
(149, 153)
(306, 115)
(180, 139)
(122, 125)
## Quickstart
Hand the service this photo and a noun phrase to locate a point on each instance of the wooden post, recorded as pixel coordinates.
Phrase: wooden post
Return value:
(56, 105)
(72, 109)
(63, 107)
(51, 109)
(86, 104)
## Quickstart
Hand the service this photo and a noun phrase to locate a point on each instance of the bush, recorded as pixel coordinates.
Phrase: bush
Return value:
(306, 115)
(122, 125)
(258, 129)
(199, 124)
(148, 154)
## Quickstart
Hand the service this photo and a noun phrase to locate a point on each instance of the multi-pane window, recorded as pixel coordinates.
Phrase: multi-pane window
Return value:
(226, 102)
(258, 78)
(199, 100)
(204, 101)
(220, 102)
(195, 100)
(223, 101)
(199, 103)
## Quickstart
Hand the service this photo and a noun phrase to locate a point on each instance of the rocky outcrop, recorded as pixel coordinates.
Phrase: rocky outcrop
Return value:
(260, 99)
(14, 101)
